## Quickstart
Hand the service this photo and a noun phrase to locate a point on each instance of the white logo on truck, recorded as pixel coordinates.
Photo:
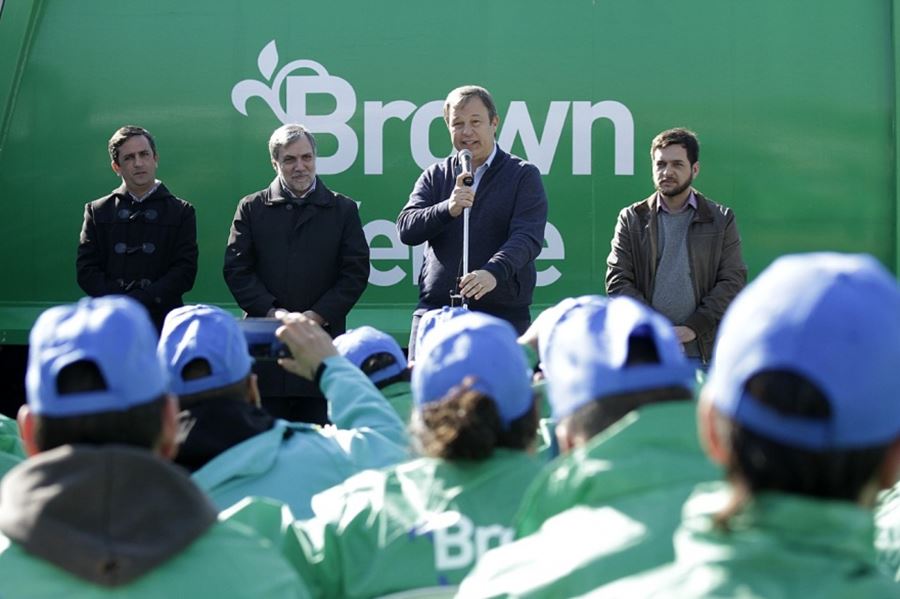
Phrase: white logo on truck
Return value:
(298, 87)
(299, 79)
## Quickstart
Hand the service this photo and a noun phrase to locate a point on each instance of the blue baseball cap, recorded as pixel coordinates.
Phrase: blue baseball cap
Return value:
(479, 346)
(835, 320)
(433, 318)
(548, 320)
(360, 344)
(115, 334)
(208, 333)
(586, 359)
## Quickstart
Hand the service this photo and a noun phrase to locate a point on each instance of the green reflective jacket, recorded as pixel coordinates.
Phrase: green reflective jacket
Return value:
(779, 546)
(417, 525)
(627, 486)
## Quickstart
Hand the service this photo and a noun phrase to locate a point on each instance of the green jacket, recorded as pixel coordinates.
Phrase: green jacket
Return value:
(780, 546)
(650, 454)
(228, 561)
(293, 461)
(628, 485)
(116, 521)
(399, 395)
(421, 524)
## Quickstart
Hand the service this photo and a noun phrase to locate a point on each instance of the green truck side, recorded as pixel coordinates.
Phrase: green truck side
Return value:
(795, 104)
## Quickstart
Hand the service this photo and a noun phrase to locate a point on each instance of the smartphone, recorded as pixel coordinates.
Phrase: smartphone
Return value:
(261, 340)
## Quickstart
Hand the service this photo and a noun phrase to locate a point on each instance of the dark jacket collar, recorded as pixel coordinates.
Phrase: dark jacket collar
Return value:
(321, 195)
(161, 193)
(212, 426)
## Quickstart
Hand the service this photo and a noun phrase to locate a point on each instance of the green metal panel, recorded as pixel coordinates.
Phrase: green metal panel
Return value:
(795, 104)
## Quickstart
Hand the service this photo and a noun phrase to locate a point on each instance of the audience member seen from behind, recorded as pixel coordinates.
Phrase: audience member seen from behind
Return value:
(621, 392)
(236, 449)
(97, 505)
(801, 411)
(534, 343)
(381, 359)
(423, 524)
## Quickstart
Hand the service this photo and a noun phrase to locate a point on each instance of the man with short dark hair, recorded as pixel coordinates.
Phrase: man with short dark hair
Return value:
(300, 247)
(97, 504)
(507, 219)
(677, 251)
(140, 240)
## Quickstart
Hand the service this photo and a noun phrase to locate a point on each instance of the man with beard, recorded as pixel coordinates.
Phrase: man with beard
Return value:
(678, 251)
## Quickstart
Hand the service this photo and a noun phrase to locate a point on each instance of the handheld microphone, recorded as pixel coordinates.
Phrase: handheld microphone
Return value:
(465, 159)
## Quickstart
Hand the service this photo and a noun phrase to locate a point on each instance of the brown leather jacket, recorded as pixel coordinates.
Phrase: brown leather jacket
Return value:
(718, 271)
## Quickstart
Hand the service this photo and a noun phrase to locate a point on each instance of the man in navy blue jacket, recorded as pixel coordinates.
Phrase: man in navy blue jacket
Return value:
(507, 219)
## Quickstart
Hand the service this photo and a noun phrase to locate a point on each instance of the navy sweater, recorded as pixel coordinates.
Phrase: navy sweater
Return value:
(506, 233)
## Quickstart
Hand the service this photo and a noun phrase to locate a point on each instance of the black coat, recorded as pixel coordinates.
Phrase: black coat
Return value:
(147, 250)
(308, 254)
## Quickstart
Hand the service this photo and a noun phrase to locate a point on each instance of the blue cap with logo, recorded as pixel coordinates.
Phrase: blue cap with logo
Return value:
(360, 344)
(831, 318)
(433, 318)
(116, 335)
(207, 333)
(587, 358)
(480, 347)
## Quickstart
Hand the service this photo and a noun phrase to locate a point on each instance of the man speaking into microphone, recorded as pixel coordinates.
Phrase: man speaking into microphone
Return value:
(502, 198)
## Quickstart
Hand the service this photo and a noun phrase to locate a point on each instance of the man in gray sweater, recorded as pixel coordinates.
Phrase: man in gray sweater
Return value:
(678, 251)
